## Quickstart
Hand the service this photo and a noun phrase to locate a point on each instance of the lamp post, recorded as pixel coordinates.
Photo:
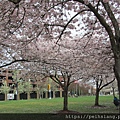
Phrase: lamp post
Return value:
(49, 90)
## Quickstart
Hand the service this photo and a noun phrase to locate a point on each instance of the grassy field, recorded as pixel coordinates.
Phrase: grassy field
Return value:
(81, 104)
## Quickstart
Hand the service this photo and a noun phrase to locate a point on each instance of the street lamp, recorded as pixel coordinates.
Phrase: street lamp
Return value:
(49, 90)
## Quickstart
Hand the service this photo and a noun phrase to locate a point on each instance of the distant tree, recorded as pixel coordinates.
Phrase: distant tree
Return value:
(28, 88)
(54, 88)
(5, 89)
(39, 86)
(18, 85)
(19, 89)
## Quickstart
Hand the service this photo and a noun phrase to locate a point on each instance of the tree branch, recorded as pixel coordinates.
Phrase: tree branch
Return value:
(15, 61)
(69, 23)
(113, 20)
(106, 84)
(15, 1)
(100, 83)
(103, 23)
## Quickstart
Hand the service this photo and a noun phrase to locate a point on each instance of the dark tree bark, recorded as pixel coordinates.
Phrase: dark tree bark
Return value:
(117, 73)
(97, 94)
(65, 106)
(97, 97)
(15, 1)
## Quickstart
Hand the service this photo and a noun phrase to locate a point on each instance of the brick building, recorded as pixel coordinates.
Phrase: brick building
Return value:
(7, 75)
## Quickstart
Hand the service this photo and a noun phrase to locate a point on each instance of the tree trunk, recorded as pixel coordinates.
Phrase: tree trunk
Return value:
(97, 97)
(60, 93)
(5, 96)
(37, 94)
(28, 95)
(113, 91)
(42, 95)
(53, 94)
(117, 73)
(18, 96)
(46, 94)
(65, 99)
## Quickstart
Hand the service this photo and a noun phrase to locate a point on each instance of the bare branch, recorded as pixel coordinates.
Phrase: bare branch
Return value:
(15, 61)
(106, 84)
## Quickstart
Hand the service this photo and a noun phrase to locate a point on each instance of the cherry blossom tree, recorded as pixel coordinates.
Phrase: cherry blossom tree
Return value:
(54, 18)
(18, 83)
(72, 60)
(100, 65)
(45, 32)
(101, 82)
(57, 61)
(103, 16)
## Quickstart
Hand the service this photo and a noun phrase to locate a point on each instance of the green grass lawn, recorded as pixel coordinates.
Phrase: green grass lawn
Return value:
(81, 104)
